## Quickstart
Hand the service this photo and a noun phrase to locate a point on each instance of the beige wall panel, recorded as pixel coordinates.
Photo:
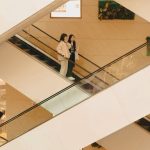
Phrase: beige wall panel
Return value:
(100, 41)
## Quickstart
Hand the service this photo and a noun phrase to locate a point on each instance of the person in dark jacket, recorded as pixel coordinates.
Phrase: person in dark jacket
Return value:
(73, 56)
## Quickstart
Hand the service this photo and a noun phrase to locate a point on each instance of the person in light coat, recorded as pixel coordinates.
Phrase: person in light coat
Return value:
(63, 50)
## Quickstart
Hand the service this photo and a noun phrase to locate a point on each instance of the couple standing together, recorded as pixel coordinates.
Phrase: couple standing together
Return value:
(67, 49)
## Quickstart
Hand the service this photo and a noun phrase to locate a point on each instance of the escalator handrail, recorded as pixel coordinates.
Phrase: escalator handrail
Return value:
(79, 53)
(72, 85)
(63, 56)
(3, 139)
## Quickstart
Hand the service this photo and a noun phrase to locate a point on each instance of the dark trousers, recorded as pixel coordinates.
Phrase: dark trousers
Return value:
(71, 65)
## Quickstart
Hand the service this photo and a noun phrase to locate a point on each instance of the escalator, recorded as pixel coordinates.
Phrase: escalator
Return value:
(44, 52)
(47, 44)
(30, 49)
(91, 84)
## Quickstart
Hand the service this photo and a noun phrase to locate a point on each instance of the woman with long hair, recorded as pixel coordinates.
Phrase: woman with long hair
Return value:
(73, 51)
(63, 50)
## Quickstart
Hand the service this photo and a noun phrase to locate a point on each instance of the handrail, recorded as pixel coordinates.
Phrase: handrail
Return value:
(45, 33)
(72, 85)
(4, 138)
(40, 103)
(79, 54)
(63, 56)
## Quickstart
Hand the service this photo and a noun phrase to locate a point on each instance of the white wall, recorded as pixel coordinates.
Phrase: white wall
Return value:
(16, 15)
(132, 137)
(33, 79)
(14, 11)
(140, 7)
(94, 119)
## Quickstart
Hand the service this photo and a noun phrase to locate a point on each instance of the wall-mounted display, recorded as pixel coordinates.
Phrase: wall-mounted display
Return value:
(70, 9)
(109, 9)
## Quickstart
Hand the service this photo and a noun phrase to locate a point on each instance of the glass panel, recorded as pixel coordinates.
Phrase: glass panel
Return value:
(41, 35)
(51, 107)
(76, 93)
(9, 99)
(129, 64)
(51, 59)
(106, 77)
(49, 41)
(79, 68)
(26, 122)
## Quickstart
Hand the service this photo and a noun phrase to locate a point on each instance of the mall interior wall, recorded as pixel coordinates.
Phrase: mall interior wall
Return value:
(99, 40)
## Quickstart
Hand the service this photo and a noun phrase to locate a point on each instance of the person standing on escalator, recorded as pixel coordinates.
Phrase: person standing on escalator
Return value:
(73, 56)
(63, 54)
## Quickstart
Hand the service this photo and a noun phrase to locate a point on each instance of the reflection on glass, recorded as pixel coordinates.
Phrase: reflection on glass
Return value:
(78, 92)
(129, 64)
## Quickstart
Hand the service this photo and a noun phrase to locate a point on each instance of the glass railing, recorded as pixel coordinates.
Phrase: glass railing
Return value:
(51, 62)
(51, 58)
(52, 42)
(75, 93)
(12, 102)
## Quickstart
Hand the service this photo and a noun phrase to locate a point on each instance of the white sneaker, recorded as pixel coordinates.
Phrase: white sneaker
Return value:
(71, 78)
